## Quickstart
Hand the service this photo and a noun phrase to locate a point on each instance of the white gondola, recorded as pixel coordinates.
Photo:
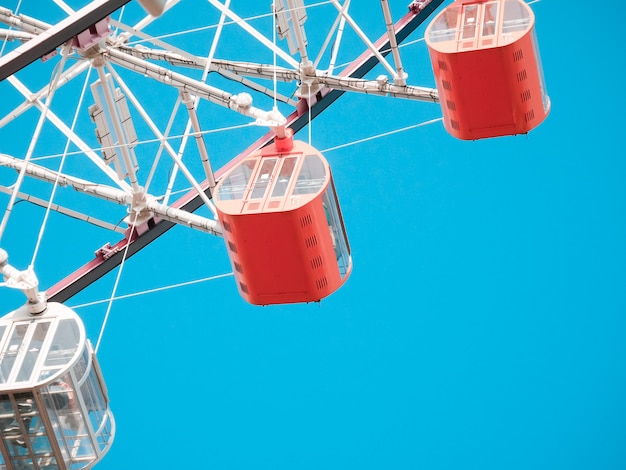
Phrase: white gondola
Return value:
(54, 409)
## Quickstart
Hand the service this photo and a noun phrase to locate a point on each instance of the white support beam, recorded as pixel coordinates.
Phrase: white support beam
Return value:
(241, 103)
(65, 211)
(108, 193)
(399, 78)
(13, 35)
(334, 28)
(23, 22)
(76, 140)
(157, 133)
(189, 103)
(33, 98)
(298, 30)
(342, 24)
(121, 145)
(364, 38)
(268, 72)
(258, 36)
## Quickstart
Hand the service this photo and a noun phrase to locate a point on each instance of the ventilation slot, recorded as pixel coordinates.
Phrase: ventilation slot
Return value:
(226, 226)
(518, 55)
(232, 247)
(522, 75)
(529, 115)
(321, 283)
(525, 96)
(311, 241)
(454, 124)
(306, 220)
(442, 65)
(238, 267)
(243, 287)
(446, 85)
(316, 262)
(451, 105)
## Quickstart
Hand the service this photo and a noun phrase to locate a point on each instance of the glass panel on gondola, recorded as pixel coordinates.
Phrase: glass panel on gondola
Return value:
(444, 27)
(263, 178)
(542, 80)
(337, 230)
(284, 177)
(312, 175)
(516, 17)
(10, 350)
(33, 348)
(490, 19)
(234, 186)
(470, 18)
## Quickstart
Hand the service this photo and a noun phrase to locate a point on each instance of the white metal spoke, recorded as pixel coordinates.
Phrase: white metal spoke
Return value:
(364, 37)
(76, 140)
(12, 35)
(164, 145)
(400, 75)
(111, 194)
(329, 37)
(258, 36)
(255, 86)
(33, 143)
(302, 47)
(147, 20)
(188, 101)
(33, 98)
(65, 211)
(148, 120)
(22, 22)
(338, 38)
(122, 147)
(174, 155)
(64, 6)
(140, 34)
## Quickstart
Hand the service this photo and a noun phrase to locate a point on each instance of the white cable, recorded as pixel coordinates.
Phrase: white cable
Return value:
(384, 134)
(309, 112)
(275, 80)
(33, 142)
(247, 19)
(4, 43)
(152, 291)
(119, 19)
(147, 141)
(59, 171)
(117, 281)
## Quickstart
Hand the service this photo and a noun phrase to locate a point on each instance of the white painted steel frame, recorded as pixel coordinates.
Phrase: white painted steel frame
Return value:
(134, 57)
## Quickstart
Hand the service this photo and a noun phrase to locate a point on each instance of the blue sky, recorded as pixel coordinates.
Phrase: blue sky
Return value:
(483, 324)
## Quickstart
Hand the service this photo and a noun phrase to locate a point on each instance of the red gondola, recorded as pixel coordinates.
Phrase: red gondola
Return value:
(487, 68)
(283, 226)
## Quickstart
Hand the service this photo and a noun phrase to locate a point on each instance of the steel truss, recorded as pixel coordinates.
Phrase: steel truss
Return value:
(152, 216)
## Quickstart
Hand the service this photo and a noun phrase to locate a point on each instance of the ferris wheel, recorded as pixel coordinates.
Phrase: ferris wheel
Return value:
(129, 104)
